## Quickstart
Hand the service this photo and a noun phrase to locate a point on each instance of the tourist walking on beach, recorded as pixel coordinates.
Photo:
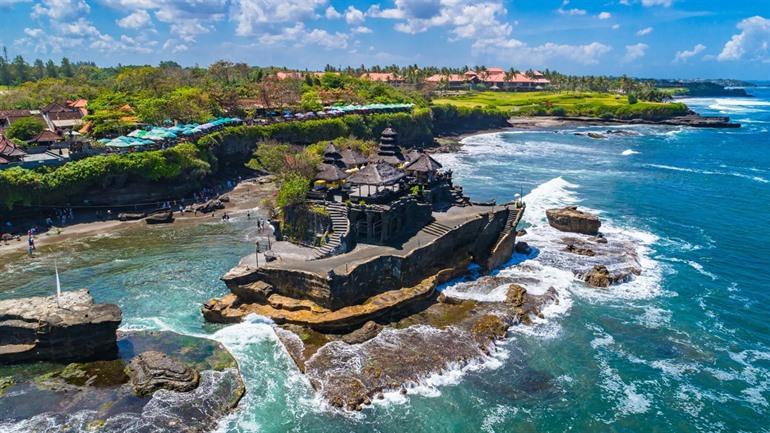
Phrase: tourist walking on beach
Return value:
(31, 242)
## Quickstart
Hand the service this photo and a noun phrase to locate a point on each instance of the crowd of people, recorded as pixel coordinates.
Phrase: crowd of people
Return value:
(60, 217)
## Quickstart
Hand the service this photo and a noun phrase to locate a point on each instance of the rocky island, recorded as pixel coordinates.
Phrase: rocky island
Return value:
(393, 229)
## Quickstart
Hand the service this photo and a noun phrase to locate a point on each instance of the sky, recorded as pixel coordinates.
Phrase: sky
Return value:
(642, 38)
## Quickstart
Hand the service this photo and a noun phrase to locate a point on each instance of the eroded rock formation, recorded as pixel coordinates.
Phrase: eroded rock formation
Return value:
(151, 371)
(570, 219)
(71, 328)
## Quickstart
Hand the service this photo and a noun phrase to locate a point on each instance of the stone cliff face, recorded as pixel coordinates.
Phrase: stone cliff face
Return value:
(72, 329)
(486, 239)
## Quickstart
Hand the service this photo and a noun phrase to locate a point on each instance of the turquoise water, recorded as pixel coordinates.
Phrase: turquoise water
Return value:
(684, 347)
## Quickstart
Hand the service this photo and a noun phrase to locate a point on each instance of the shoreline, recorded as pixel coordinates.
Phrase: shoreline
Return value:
(449, 143)
(245, 196)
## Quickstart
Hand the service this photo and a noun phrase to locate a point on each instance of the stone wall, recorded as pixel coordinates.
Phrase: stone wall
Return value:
(475, 239)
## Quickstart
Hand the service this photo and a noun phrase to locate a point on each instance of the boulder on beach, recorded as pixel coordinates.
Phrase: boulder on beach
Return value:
(210, 206)
(160, 217)
(570, 219)
(71, 328)
(151, 371)
(131, 216)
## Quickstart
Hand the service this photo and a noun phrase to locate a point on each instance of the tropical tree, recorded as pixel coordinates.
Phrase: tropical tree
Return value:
(25, 128)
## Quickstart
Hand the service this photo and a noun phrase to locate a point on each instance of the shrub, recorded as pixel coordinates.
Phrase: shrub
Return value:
(293, 190)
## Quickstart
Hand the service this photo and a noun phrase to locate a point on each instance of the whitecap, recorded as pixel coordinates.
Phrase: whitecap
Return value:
(629, 152)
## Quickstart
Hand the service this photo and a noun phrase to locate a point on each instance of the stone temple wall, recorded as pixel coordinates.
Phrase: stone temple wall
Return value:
(475, 239)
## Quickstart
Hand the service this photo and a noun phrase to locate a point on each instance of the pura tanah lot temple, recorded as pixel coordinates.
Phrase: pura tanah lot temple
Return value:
(375, 237)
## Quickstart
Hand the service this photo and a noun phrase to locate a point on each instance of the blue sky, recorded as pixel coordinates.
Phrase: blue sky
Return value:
(647, 38)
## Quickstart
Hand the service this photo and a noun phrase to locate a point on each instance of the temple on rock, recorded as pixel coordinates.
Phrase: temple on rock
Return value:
(373, 235)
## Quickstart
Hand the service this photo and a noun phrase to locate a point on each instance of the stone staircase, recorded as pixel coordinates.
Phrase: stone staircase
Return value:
(458, 199)
(514, 214)
(436, 229)
(338, 213)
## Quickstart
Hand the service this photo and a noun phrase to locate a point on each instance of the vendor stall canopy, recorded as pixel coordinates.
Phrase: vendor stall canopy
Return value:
(154, 135)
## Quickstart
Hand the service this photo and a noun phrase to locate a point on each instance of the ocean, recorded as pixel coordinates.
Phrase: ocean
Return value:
(683, 347)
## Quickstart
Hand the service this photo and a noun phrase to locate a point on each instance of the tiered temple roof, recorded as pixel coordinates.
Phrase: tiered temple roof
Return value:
(389, 151)
(332, 169)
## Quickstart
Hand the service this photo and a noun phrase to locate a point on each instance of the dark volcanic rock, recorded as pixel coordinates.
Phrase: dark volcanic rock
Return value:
(522, 248)
(365, 333)
(572, 248)
(600, 276)
(160, 217)
(570, 219)
(131, 216)
(210, 206)
(152, 371)
(72, 329)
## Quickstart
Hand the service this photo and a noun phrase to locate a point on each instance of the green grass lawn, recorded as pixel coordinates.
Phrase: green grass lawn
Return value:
(565, 104)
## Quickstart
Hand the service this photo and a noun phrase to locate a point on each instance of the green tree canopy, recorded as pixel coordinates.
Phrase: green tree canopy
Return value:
(25, 128)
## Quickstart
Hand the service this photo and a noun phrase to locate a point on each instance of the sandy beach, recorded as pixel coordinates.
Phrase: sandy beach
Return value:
(245, 196)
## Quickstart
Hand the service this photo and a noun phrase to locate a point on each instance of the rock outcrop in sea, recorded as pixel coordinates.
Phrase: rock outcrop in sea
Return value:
(351, 373)
(152, 386)
(151, 371)
(70, 328)
(570, 219)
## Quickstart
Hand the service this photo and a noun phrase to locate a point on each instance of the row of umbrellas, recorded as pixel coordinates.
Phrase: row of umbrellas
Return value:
(338, 110)
(156, 134)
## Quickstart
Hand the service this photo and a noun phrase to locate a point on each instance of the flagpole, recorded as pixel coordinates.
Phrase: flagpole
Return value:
(58, 283)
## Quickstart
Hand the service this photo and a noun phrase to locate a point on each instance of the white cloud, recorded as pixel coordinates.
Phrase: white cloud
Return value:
(187, 18)
(58, 10)
(332, 14)
(257, 16)
(604, 16)
(135, 20)
(683, 56)
(519, 53)
(189, 29)
(68, 35)
(634, 52)
(664, 3)
(174, 46)
(361, 30)
(644, 31)
(297, 35)
(354, 16)
(467, 19)
(615, 26)
(571, 12)
(752, 42)
(6, 3)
